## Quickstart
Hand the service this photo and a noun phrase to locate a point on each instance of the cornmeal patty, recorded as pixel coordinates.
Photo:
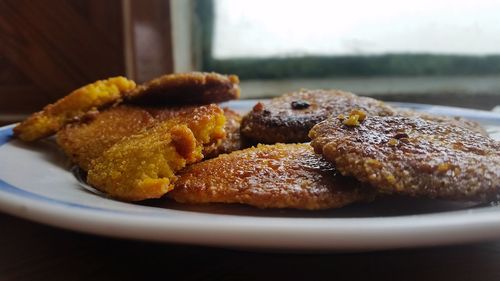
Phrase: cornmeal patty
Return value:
(88, 139)
(269, 176)
(454, 120)
(186, 88)
(413, 156)
(54, 116)
(143, 165)
(233, 141)
(289, 118)
(97, 131)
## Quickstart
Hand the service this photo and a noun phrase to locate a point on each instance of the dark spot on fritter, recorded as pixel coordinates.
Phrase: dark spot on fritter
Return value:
(258, 107)
(300, 104)
(401, 136)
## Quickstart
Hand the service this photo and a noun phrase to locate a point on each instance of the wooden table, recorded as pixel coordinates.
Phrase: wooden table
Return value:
(30, 251)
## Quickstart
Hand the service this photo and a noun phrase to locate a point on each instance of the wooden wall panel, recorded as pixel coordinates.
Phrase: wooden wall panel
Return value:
(18, 94)
(51, 47)
(10, 75)
(57, 47)
(151, 38)
(104, 16)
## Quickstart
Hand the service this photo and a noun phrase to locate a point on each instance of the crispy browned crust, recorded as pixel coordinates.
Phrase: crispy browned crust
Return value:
(95, 133)
(233, 140)
(76, 104)
(276, 120)
(143, 165)
(413, 156)
(186, 88)
(455, 120)
(269, 176)
(87, 139)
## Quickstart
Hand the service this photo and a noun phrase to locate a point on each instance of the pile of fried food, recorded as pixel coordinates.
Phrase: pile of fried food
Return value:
(310, 149)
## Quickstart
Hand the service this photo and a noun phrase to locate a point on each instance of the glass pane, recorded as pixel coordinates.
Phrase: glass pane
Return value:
(279, 28)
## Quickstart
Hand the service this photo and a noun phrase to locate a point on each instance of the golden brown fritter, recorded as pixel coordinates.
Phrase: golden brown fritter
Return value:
(97, 131)
(186, 88)
(233, 140)
(86, 140)
(54, 116)
(269, 176)
(163, 113)
(289, 118)
(143, 165)
(413, 156)
(454, 120)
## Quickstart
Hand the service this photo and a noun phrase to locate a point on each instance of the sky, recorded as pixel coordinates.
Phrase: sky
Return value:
(264, 28)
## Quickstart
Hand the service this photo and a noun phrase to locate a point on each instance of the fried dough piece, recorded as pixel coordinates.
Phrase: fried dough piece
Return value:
(143, 165)
(454, 120)
(186, 88)
(269, 176)
(413, 156)
(97, 131)
(289, 118)
(54, 116)
(233, 140)
(87, 140)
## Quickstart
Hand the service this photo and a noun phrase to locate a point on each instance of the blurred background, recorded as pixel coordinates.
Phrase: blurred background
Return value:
(439, 52)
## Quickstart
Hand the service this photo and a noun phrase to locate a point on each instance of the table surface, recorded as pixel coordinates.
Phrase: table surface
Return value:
(31, 251)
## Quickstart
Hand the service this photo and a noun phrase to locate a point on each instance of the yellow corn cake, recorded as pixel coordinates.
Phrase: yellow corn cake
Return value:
(54, 116)
(143, 166)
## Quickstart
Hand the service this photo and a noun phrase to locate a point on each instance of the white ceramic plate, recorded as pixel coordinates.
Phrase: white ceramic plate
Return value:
(37, 184)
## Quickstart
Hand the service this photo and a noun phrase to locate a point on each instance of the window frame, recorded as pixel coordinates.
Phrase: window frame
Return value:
(400, 64)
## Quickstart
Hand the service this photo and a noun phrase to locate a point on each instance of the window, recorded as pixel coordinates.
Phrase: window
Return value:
(355, 43)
